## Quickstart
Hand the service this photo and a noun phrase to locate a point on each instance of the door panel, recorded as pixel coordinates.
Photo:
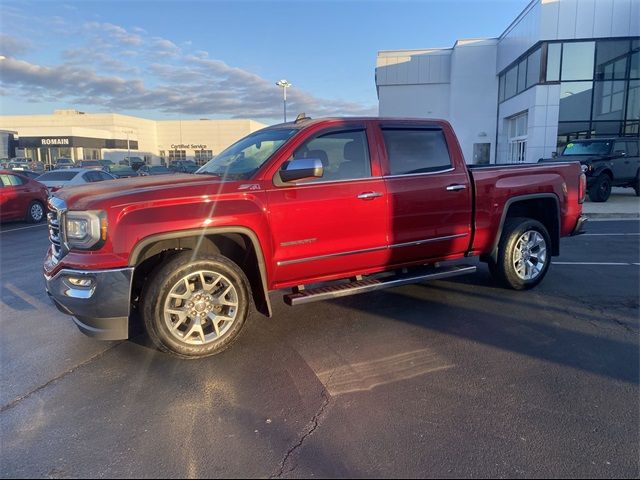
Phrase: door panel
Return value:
(429, 195)
(324, 229)
(423, 210)
(10, 198)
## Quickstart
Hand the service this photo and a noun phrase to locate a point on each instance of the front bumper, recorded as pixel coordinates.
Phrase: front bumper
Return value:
(100, 309)
(579, 228)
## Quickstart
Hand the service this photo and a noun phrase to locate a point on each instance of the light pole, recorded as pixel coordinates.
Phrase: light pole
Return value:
(284, 85)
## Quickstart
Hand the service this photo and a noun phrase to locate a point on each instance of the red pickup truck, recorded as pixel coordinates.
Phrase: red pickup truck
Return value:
(326, 207)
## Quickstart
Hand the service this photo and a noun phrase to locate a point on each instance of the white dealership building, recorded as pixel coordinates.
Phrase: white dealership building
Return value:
(78, 135)
(563, 69)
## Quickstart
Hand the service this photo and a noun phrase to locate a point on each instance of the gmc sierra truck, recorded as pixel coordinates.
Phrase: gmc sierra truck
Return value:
(326, 208)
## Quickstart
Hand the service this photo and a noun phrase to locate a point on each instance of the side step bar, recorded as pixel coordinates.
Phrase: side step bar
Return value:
(370, 284)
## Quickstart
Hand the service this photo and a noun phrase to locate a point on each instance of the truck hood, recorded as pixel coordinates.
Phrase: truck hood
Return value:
(102, 195)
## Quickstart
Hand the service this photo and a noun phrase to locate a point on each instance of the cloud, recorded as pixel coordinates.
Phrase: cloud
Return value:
(116, 32)
(209, 88)
(106, 72)
(11, 46)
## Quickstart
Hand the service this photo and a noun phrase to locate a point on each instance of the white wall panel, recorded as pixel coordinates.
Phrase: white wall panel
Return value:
(603, 18)
(549, 15)
(585, 16)
(621, 18)
(567, 19)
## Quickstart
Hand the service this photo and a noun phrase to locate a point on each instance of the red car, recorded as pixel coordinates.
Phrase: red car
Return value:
(21, 198)
(354, 204)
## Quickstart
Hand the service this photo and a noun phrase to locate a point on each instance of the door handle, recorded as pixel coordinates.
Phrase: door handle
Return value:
(455, 188)
(369, 195)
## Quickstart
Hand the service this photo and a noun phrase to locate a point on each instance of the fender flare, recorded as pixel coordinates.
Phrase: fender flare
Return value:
(253, 238)
(520, 198)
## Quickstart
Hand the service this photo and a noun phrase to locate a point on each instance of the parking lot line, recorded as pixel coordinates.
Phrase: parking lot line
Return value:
(607, 234)
(23, 228)
(614, 264)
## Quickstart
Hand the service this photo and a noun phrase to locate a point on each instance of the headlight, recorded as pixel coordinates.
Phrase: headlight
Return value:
(85, 230)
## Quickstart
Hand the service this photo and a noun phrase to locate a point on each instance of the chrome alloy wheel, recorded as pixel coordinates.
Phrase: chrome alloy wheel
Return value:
(201, 307)
(36, 212)
(530, 255)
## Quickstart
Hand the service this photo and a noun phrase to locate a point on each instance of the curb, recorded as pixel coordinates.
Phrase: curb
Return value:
(613, 216)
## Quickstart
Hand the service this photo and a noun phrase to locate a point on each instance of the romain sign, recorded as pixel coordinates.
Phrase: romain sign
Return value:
(55, 141)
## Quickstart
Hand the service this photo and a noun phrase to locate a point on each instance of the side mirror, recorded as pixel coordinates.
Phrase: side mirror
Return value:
(620, 153)
(301, 169)
(554, 154)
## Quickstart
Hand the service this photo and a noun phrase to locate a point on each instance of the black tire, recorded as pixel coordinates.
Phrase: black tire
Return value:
(35, 212)
(636, 185)
(503, 270)
(600, 190)
(166, 277)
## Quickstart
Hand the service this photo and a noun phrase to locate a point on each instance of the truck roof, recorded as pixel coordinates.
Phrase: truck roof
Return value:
(308, 121)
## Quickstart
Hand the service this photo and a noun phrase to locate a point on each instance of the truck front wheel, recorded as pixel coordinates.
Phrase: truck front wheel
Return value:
(524, 254)
(195, 307)
(601, 188)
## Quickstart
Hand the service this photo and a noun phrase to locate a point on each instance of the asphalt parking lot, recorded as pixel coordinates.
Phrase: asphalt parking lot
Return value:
(456, 378)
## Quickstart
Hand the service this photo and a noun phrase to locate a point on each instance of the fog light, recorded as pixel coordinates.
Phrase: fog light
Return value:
(80, 281)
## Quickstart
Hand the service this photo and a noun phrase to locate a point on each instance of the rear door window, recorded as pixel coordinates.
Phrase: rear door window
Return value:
(632, 149)
(416, 150)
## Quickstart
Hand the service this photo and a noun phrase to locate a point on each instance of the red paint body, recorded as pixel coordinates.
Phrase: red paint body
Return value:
(15, 199)
(327, 219)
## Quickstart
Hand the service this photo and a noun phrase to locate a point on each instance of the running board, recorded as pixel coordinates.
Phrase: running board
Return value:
(370, 284)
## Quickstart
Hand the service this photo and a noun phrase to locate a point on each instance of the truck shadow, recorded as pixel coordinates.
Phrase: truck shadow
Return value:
(531, 328)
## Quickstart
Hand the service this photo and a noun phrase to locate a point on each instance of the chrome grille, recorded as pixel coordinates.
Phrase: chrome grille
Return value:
(55, 220)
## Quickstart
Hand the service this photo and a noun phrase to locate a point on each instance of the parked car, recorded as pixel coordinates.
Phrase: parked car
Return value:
(25, 163)
(146, 170)
(607, 162)
(62, 163)
(57, 179)
(363, 203)
(133, 162)
(122, 171)
(183, 166)
(21, 198)
(90, 164)
(106, 164)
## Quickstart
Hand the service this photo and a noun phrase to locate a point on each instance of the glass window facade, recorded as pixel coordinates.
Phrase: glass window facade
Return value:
(577, 60)
(607, 84)
(599, 84)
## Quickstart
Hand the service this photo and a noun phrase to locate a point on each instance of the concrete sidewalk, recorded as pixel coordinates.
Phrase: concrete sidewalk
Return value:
(623, 203)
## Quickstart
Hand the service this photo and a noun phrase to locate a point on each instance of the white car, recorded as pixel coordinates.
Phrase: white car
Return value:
(56, 179)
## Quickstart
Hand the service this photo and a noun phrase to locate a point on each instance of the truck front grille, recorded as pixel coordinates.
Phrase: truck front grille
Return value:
(55, 220)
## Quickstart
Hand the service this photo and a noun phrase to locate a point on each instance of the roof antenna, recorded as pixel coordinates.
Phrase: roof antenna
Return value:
(301, 117)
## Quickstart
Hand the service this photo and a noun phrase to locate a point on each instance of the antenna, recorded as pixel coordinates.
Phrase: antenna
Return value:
(301, 117)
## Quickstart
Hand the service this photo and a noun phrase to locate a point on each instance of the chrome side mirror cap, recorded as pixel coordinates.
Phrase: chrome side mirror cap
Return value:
(301, 169)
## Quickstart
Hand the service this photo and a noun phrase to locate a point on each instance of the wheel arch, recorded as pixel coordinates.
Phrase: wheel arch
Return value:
(543, 207)
(606, 170)
(239, 244)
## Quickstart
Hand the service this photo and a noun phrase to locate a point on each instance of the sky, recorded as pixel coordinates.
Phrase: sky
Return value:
(217, 59)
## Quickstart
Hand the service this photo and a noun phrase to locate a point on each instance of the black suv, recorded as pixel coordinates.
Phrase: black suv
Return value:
(607, 162)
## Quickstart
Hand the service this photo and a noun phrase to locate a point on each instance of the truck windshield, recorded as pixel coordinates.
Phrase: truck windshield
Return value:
(245, 156)
(588, 148)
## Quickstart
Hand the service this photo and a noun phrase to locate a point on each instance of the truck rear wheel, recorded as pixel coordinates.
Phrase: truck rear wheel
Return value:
(196, 307)
(524, 254)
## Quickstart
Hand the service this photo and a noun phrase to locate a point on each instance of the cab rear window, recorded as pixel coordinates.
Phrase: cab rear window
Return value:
(415, 150)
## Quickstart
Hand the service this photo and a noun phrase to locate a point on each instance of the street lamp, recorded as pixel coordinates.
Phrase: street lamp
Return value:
(284, 85)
